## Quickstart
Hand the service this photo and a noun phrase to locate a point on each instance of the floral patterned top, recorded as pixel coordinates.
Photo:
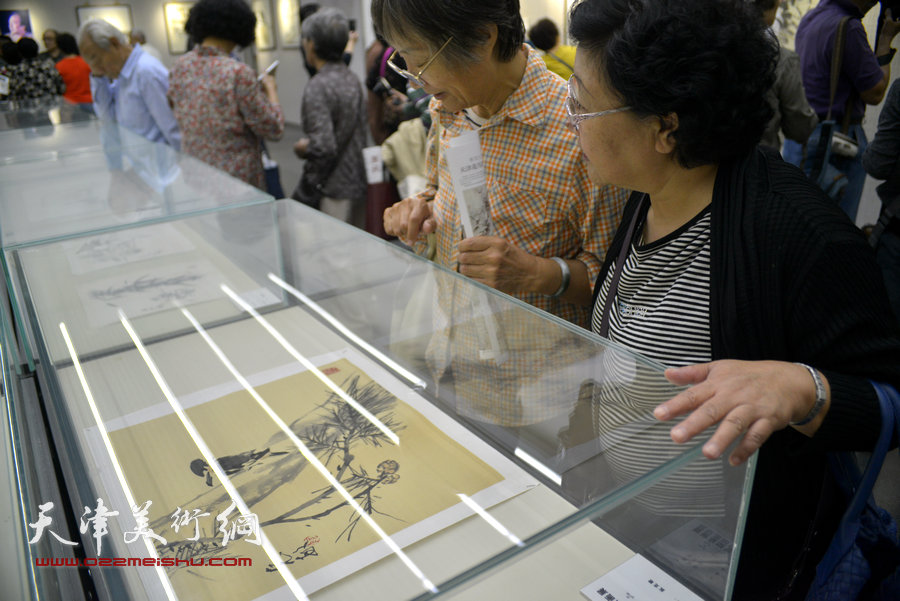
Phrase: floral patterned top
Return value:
(34, 79)
(223, 112)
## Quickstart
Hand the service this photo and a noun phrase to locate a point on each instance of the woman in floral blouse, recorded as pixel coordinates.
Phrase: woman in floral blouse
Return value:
(223, 111)
(33, 77)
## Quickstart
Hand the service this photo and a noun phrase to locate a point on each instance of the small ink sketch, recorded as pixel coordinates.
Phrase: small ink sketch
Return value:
(120, 248)
(151, 291)
(479, 211)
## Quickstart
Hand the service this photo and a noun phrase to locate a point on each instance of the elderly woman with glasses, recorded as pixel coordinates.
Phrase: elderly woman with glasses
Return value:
(551, 226)
(730, 267)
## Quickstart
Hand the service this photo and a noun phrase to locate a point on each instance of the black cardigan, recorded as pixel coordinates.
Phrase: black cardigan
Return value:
(792, 279)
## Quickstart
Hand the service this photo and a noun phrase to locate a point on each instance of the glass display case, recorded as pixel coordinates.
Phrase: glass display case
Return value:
(34, 113)
(69, 179)
(266, 403)
(100, 176)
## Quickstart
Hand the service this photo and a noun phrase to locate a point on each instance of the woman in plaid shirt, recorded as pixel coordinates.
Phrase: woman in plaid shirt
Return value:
(551, 224)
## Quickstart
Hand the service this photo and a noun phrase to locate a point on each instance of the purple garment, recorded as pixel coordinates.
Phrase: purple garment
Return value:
(814, 43)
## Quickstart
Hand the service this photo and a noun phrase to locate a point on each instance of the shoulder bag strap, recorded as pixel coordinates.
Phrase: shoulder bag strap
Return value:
(846, 472)
(382, 70)
(887, 214)
(567, 65)
(620, 265)
(826, 128)
(837, 61)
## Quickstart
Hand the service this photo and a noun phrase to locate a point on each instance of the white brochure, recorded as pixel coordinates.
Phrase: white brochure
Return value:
(467, 174)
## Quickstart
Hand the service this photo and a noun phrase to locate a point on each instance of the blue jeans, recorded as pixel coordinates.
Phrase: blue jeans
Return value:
(888, 256)
(856, 175)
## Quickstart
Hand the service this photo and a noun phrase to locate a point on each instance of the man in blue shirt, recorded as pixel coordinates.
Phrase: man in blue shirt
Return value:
(863, 79)
(128, 85)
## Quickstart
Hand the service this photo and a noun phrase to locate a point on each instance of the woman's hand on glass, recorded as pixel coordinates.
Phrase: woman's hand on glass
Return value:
(747, 399)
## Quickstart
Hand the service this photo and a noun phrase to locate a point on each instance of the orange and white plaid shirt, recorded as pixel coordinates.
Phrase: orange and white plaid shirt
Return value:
(541, 200)
(539, 193)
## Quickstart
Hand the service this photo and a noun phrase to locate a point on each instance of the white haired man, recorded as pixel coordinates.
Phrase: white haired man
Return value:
(128, 85)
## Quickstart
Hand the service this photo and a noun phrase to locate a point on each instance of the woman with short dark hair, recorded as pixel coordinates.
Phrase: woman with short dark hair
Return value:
(537, 229)
(730, 267)
(550, 226)
(560, 58)
(222, 110)
(333, 117)
(32, 77)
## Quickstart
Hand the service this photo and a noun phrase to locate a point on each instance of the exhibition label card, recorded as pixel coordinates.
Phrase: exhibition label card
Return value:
(637, 579)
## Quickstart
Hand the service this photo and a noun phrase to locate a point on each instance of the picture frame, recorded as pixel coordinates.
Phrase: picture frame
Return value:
(288, 23)
(118, 15)
(176, 14)
(16, 24)
(265, 27)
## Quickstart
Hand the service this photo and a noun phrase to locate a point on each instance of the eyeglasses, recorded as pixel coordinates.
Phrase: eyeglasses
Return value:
(572, 105)
(417, 77)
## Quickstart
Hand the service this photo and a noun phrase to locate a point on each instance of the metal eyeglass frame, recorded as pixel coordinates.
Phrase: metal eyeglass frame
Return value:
(416, 77)
(574, 117)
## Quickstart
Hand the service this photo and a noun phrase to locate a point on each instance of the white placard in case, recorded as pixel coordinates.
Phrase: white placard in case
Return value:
(637, 579)
(374, 164)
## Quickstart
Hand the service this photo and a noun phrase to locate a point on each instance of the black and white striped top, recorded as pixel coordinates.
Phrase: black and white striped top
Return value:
(662, 312)
(662, 303)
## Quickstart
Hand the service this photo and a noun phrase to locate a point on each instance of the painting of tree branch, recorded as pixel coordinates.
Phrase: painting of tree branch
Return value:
(153, 290)
(308, 520)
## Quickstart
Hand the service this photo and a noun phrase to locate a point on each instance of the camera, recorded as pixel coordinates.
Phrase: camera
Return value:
(382, 87)
(844, 146)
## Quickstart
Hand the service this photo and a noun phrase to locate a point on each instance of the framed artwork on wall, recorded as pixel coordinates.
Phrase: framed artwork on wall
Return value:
(289, 23)
(265, 28)
(16, 24)
(176, 16)
(118, 15)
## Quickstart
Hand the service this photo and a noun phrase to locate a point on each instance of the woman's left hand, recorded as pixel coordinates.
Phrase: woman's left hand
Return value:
(497, 263)
(752, 399)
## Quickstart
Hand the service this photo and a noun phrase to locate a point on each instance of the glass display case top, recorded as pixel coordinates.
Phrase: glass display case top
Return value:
(40, 113)
(265, 403)
(48, 141)
(117, 179)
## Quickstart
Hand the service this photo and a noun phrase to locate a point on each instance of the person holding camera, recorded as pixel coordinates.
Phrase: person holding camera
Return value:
(864, 78)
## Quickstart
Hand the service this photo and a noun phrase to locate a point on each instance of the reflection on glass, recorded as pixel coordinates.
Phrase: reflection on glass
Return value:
(490, 520)
(308, 365)
(412, 378)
